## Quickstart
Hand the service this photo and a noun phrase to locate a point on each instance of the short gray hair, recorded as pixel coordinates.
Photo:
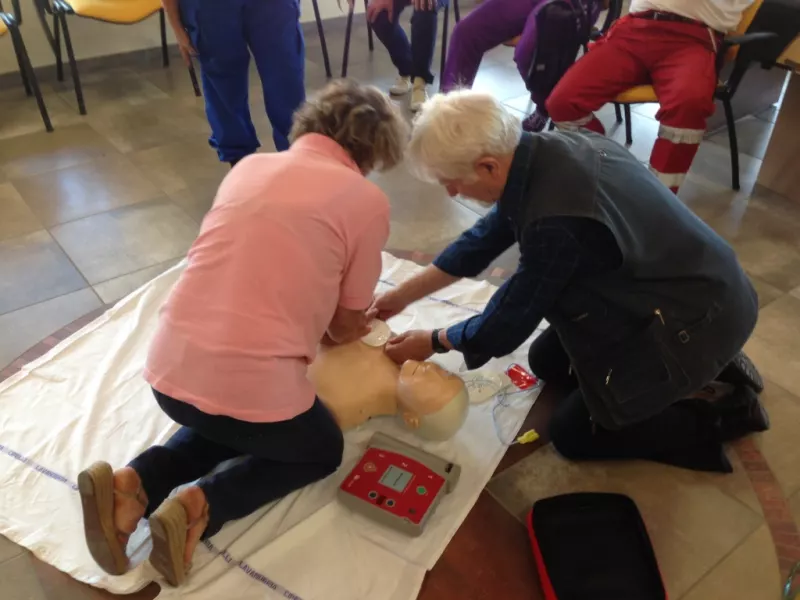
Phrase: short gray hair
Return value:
(453, 131)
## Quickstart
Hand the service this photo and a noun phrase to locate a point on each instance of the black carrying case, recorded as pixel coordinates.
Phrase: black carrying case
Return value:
(593, 546)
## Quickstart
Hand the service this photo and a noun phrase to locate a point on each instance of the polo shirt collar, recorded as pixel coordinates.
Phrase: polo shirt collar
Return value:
(316, 143)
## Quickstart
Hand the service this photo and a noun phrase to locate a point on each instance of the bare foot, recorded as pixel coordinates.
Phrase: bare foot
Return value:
(128, 507)
(195, 504)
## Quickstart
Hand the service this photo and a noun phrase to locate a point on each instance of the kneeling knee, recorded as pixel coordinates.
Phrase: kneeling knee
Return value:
(568, 438)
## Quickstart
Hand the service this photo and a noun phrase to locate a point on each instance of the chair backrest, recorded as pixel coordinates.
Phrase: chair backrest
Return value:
(744, 24)
(781, 18)
(614, 13)
(778, 17)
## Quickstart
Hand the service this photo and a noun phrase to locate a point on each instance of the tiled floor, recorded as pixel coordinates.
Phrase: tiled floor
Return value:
(110, 200)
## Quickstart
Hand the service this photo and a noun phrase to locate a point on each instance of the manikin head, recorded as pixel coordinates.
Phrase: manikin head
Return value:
(432, 401)
(465, 140)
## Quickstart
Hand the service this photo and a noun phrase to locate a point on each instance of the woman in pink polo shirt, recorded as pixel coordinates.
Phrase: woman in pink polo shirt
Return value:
(289, 253)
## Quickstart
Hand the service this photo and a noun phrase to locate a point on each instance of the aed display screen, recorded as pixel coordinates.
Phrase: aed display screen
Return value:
(395, 478)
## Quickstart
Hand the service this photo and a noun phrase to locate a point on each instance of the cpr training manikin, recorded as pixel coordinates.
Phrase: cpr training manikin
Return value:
(357, 382)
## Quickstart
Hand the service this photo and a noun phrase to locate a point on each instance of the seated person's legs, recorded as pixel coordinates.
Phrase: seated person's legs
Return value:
(490, 24)
(413, 60)
(684, 80)
(610, 67)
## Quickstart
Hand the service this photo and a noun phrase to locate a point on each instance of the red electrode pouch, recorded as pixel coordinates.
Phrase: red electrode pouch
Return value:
(520, 377)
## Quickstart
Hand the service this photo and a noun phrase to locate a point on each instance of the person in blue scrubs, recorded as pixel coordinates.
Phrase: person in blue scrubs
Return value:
(221, 35)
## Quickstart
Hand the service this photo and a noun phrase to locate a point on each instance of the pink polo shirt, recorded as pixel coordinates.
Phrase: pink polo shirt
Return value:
(291, 235)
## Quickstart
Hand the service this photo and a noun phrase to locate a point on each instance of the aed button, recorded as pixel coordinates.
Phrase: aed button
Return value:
(390, 503)
(421, 490)
(372, 495)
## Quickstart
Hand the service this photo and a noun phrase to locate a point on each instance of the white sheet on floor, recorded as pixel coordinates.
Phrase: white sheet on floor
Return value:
(85, 401)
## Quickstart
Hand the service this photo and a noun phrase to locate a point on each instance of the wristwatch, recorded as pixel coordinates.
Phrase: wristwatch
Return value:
(438, 346)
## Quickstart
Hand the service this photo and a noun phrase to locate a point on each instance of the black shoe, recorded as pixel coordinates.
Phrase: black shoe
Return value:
(741, 371)
(740, 413)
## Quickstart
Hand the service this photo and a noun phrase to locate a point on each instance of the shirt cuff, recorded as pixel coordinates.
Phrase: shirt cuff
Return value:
(455, 335)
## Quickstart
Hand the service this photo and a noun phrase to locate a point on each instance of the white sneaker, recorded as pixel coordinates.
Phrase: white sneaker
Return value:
(419, 94)
(401, 86)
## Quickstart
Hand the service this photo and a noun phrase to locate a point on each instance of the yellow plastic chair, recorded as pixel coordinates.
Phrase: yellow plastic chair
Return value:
(119, 12)
(728, 51)
(10, 24)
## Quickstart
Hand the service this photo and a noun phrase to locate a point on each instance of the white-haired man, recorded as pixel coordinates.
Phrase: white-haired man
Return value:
(646, 304)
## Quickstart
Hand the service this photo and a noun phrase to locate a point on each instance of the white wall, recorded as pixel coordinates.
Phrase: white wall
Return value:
(91, 38)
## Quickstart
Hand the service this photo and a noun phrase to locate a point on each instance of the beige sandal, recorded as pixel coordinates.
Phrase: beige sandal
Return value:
(169, 528)
(96, 487)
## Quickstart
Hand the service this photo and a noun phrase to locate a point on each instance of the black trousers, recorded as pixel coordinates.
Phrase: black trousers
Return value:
(274, 459)
(683, 435)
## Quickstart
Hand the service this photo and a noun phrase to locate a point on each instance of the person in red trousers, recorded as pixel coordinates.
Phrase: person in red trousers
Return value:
(671, 44)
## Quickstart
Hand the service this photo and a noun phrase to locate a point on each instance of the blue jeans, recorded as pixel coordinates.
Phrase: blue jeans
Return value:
(224, 32)
(411, 59)
(275, 459)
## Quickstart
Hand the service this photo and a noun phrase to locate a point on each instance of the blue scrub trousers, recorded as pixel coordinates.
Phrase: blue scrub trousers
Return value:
(224, 33)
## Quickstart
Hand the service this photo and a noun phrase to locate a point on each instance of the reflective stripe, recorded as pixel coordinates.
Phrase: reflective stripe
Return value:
(671, 180)
(679, 135)
(574, 125)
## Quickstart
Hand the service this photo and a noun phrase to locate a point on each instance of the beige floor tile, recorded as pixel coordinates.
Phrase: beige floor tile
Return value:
(763, 231)
(502, 81)
(195, 200)
(423, 217)
(87, 189)
(692, 524)
(19, 580)
(115, 289)
(21, 113)
(26, 327)
(8, 549)
(34, 269)
(16, 217)
(128, 239)
(110, 90)
(747, 573)
(522, 104)
(42, 152)
(181, 165)
(752, 136)
(775, 345)
(644, 132)
(149, 126)
(766, 292)
(648, 109)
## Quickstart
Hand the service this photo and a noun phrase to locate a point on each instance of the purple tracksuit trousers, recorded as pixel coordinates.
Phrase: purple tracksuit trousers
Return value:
(490, 24)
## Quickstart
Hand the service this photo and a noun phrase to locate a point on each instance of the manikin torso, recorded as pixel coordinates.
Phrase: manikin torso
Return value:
(358, 382)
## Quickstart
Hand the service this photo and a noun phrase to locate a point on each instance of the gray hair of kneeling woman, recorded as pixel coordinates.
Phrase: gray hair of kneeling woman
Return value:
(360, 118)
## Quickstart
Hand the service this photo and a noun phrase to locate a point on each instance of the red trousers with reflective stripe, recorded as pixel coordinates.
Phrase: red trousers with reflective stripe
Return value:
(677, 59)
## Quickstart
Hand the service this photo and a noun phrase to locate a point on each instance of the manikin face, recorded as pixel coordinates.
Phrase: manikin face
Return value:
(425, 388)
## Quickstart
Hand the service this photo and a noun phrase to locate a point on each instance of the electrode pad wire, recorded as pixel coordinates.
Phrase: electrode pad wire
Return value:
(525, 438)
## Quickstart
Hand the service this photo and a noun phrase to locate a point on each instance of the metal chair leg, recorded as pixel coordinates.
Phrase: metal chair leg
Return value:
(25, 65)
(321, 32)
(369, 29)
(57, 47)
(628, 134)
(617, 112)
(456, 11)
(445, 28)
(162, 23)
(348, 31)
(193, 77)
(73, 65)
(726, 103)
(23, 72)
